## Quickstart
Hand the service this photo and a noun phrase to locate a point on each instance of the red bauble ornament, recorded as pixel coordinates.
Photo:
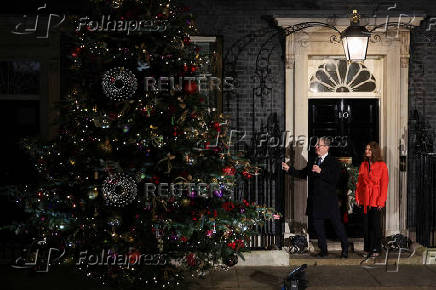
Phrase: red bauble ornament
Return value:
(113, 116)
(229, 170)
(246, 174)
(134, 257)
(217, 126)
(155, 179)
(228, 206)
(190, 87)
(76, 52)
(171, 109)
(190, 259)
(186, 40)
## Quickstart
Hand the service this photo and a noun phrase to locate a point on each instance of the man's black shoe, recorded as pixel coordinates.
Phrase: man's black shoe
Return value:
(321, 255)
(344, 253)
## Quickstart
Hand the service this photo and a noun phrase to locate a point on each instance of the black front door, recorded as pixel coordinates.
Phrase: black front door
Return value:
(351, 124)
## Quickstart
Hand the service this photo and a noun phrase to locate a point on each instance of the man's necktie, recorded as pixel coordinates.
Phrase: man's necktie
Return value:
(318, 161)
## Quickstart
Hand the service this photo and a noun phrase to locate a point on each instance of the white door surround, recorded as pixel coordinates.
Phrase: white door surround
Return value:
(393, 50)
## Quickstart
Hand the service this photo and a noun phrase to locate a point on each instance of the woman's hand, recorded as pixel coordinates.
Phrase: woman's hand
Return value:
(285, 166)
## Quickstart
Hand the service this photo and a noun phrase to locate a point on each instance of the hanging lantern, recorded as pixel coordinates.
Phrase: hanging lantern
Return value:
(355, 39)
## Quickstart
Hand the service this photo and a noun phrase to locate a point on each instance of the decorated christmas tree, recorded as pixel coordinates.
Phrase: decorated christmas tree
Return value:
(142, 171)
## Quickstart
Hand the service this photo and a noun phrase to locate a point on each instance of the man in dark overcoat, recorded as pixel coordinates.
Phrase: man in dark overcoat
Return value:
(323, 173)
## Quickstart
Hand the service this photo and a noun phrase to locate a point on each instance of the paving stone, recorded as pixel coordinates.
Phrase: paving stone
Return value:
(264, 277)
(407, 275)
(343, 276)
(325, 277)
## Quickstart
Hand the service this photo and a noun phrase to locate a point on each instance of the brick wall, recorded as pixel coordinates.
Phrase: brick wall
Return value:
(422, 105)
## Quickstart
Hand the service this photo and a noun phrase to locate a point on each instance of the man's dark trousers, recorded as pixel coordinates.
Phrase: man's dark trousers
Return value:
(318, 224)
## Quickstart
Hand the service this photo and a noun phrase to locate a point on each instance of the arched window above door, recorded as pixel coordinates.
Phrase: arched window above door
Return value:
(340, 76)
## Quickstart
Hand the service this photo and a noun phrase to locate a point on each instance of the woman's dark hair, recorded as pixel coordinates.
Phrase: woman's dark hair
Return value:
(376, 154)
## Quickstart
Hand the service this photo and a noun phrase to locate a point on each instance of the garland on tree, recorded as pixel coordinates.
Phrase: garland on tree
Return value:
(353, 174)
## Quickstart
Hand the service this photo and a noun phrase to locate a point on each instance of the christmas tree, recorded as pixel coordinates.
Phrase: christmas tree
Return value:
(142, 171)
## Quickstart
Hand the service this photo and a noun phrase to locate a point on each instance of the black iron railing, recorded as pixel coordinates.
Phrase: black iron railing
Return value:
(266, 188)
(426, 199)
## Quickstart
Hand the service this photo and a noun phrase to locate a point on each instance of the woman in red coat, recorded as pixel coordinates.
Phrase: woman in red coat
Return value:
(371, 192)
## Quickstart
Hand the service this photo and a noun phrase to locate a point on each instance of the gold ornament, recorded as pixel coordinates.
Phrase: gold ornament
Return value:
(93, 192)
(184, 114)
(189, 159)
(117, 3)
(69, 260)
(186, 202)
(227, 233)
(169, 158)
(106, 146)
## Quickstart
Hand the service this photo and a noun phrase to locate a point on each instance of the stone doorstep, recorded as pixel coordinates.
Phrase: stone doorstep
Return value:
(282, 258)
(355, 256)
(264, 258)
(333, 259)
(355, 243)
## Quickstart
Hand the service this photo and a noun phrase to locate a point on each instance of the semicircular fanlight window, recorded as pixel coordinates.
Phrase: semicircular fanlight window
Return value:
(342, 77)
